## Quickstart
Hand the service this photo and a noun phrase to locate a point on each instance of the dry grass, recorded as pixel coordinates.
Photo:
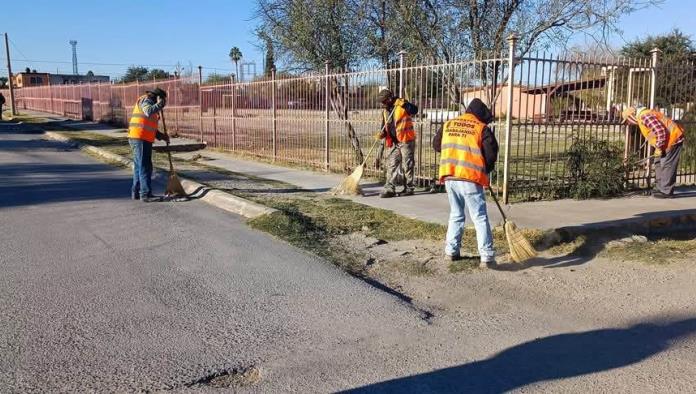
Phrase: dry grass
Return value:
(660, 250)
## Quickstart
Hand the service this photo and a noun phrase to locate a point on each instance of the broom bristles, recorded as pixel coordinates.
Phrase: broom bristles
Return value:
(520, 248)
(174, 187)
(350, 185)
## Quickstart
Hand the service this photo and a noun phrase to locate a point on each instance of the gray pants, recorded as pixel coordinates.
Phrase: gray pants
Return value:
(666, 170)
(400, 155)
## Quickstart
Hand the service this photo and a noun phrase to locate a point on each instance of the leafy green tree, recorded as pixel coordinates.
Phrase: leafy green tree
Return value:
(673, 45)
(157, 73)
(218, 79)
(675, 75)
(235, 56)
(90, 73)
(134, 73)
(3, 82)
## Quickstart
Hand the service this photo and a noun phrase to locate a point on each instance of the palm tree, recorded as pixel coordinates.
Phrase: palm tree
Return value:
(236, 56)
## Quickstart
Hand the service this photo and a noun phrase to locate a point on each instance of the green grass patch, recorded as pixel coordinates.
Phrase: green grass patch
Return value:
(663, 250)
(335, 216)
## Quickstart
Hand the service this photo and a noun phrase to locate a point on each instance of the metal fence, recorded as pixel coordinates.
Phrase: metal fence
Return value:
(543, 104)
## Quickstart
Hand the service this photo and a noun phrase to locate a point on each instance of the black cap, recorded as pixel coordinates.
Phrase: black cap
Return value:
(384, 95)
(157, 92)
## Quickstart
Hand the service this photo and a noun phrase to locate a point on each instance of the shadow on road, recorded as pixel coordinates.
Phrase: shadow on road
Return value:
(33, 184)
(544, 359)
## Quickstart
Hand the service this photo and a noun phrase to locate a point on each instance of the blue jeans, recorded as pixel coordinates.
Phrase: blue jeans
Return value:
(461, 195)
(142, 167)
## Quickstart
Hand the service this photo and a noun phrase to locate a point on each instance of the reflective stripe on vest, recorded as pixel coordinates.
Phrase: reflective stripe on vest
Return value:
(403, 123)
(141, 126)
(461, 155)
(676, 133)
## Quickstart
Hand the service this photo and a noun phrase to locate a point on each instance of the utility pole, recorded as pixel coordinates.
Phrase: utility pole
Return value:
(13, 108)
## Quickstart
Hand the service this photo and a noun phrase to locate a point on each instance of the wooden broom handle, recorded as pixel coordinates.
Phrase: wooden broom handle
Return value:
(497, 203)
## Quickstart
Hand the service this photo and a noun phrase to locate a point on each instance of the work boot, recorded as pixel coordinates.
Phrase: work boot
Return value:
(150, 198)
(455, 257)
(408, 192)
(488, 264)
(659, 194)
(135, 196)
(387, 194)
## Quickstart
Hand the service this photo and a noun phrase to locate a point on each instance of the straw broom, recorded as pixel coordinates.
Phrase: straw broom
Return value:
(520, 247)
(351, 185)
(174, 187)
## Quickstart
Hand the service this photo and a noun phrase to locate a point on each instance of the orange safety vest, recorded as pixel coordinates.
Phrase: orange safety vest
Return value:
(676, 132)
(140, 126)
(461, 155)
(403, 123)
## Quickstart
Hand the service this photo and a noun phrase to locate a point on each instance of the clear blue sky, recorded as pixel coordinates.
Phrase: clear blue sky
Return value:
(201, 32)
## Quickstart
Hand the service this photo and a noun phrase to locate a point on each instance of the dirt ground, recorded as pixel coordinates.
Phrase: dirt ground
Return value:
(581, 277)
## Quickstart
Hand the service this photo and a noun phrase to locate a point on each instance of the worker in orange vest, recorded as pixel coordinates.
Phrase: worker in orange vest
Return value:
(400, 141)
(142, 132)
(667, 137)
(468, 153)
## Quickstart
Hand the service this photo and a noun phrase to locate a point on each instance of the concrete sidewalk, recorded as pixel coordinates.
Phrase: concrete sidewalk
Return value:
(435, 207)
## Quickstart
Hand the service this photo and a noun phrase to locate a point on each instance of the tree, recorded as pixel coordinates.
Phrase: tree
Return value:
(134, 73)
(235, 57)
(269, 61)
(675, 74)
(90, 73)
(218, 79)
(3, 82)
(157, 73)
(27, 70)
(673, 45)
(310, 33)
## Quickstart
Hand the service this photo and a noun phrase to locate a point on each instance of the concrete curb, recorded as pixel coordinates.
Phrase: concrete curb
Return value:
(649, 224)
(216, 198)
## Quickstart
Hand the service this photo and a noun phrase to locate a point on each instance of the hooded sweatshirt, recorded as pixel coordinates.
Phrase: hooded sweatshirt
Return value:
(489, 145)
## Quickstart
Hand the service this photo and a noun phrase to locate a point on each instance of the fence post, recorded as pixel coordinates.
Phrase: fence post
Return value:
(200, 101)
(273, 108)
(234, 115)
(653, 74)
(401, 73)
(512, 41)
(326, 116)
(50, 90)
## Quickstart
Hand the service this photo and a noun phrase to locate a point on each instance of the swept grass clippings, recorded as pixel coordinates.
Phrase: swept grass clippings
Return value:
(660, 251)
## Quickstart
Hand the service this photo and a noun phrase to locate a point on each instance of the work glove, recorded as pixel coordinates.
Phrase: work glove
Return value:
(162, 137)
(380, 135)
(659, 153)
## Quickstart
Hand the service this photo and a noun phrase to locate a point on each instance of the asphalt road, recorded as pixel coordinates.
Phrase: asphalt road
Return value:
(101, 293)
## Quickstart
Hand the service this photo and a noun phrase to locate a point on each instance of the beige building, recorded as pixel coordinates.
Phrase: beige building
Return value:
(29, 79)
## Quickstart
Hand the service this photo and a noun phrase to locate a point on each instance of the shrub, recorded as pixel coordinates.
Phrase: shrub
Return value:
(596, 168)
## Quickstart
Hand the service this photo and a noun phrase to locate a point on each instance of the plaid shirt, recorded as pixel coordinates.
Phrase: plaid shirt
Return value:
(658, 128)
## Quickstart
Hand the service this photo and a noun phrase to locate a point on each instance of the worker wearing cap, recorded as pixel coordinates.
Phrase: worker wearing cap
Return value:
(142, 132)
(400, 139)
(667, 137)
(468, 151)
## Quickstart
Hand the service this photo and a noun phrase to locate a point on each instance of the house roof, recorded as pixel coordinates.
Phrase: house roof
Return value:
(565, 87)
